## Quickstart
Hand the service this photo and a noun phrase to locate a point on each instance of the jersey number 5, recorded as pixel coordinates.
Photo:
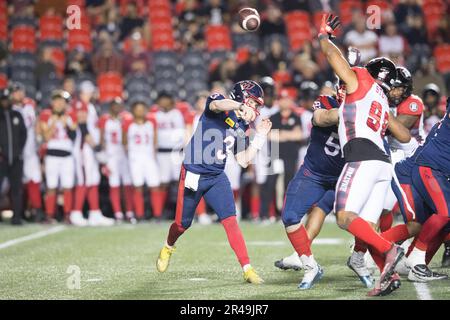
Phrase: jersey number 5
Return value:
(374, 119)
(332, 142)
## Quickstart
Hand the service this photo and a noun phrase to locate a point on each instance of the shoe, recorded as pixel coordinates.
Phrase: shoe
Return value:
(313, 272)
(16, 222)
(97, 219)
(357, 264)
(130, 217)
(76, 218)
(403, 267)
(393, 256)
(446, 256)
(252, 277)
(119, 216)
(204, 219)
(421, 273)
(164, 258)
(389, 286)
(291, 262)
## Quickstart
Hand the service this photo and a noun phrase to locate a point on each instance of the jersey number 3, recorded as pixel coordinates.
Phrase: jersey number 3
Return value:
(229, 143)
(332, 146)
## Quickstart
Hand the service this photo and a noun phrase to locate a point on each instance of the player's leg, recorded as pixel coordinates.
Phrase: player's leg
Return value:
(67, 179)
(80, 189)
(165, 164)
(128, 189)
(301, 195)
(187, 201)
(51, 168)
(152, 179)
(33, 179)
(114, 176)
(220, 197)
(435, 190)
(353, 190)
(137, 169)
(233, 173)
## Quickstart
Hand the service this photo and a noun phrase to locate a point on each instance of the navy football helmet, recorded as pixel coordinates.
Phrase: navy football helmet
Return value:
(247, 89)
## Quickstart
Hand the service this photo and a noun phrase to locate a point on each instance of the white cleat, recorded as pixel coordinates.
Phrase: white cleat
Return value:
(357, 264)
(97, 219)
(403, 267)
(313, 272)
(119, 216)
(204, 219)
(76, 218)
(291, 262)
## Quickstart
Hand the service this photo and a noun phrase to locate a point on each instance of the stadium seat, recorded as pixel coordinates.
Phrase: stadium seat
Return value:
(79, 38)
(194, 58)
(276, 37)
(23, 60)
(23, 39)
(165, 58)
(163, 40)
(16, 21)
(299, 38)
(297, 20)
(80, 3)
(382, 4)
(442, 56)
(346, 8)
(51, 27)
(218, 38)
(110, 85)
(3, 81)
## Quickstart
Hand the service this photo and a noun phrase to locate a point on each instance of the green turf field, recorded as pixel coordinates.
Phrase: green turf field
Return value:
(119, 263)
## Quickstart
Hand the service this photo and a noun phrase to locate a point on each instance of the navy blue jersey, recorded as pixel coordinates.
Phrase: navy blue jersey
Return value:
(216, 135)
(324, 157)
(436, 150)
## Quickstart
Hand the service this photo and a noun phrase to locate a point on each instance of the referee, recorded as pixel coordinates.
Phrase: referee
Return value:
(13, 135)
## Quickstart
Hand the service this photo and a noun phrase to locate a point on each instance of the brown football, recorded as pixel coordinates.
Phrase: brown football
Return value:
(249, 19)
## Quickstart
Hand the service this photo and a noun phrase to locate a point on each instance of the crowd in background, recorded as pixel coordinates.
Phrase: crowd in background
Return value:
(122, 37)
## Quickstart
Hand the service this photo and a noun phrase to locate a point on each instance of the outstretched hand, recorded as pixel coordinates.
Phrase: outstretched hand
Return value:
(329, 25)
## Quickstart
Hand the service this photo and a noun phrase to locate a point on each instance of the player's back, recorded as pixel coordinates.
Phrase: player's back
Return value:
(363, 120)
(436, 151)
(216, 135)
(323, 157)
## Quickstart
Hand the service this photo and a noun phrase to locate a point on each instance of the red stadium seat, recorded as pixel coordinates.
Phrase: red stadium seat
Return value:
(281, 77)
(3, 28)
(110, 86)
(218, 38)
(346, 8)
(80, 3)
(299, 38)
(79, 38)
(51, 27)
(442, 56)
(163, 40)
(3, 81)
(296, 20)
(23, 39)
(382, 4)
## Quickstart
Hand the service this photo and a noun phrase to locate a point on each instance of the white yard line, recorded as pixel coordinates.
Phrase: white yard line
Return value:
(423, 293)
(32, 236)
(319, 241)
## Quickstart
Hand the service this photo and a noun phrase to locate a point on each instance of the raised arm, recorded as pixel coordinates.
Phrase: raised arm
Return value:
(398, 130)
(325, 118)
(334, 56)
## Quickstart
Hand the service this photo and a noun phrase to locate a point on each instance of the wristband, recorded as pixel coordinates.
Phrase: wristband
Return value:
(258, 141)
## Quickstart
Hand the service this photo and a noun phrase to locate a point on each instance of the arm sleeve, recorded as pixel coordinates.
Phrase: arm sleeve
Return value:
(211, 98)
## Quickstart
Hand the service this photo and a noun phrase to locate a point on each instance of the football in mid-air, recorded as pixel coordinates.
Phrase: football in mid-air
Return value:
(249, 19)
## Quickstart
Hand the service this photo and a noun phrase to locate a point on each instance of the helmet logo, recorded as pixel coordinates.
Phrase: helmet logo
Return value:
(247, 85)
(383, 73)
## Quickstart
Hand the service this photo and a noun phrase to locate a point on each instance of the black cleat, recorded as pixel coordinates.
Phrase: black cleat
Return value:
(446, 255)
(421, 273)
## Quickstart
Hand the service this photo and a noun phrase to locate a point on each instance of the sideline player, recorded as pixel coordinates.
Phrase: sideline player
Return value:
(32, 177)
(140, 139)
(221, 128)
(366, 176)
(117, 169)
(59, 131)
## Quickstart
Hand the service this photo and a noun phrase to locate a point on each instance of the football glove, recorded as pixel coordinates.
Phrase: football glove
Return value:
(329, 25)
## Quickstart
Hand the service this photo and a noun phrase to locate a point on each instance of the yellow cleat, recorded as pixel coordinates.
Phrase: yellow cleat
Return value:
(252, 277)
(164, 257)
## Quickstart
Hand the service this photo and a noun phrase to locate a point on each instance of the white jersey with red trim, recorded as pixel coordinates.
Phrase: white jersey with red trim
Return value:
(91, 121)
(411, 106)
(171, 129)
(140, 139)
(28, 111)
(112, 133)
(365, 112)
(60, 139)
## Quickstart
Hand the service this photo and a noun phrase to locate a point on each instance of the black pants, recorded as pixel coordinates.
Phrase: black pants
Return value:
(14, 174)
(267, 190)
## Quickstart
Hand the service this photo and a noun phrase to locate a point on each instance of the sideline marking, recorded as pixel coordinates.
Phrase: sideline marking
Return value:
(32, 236)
